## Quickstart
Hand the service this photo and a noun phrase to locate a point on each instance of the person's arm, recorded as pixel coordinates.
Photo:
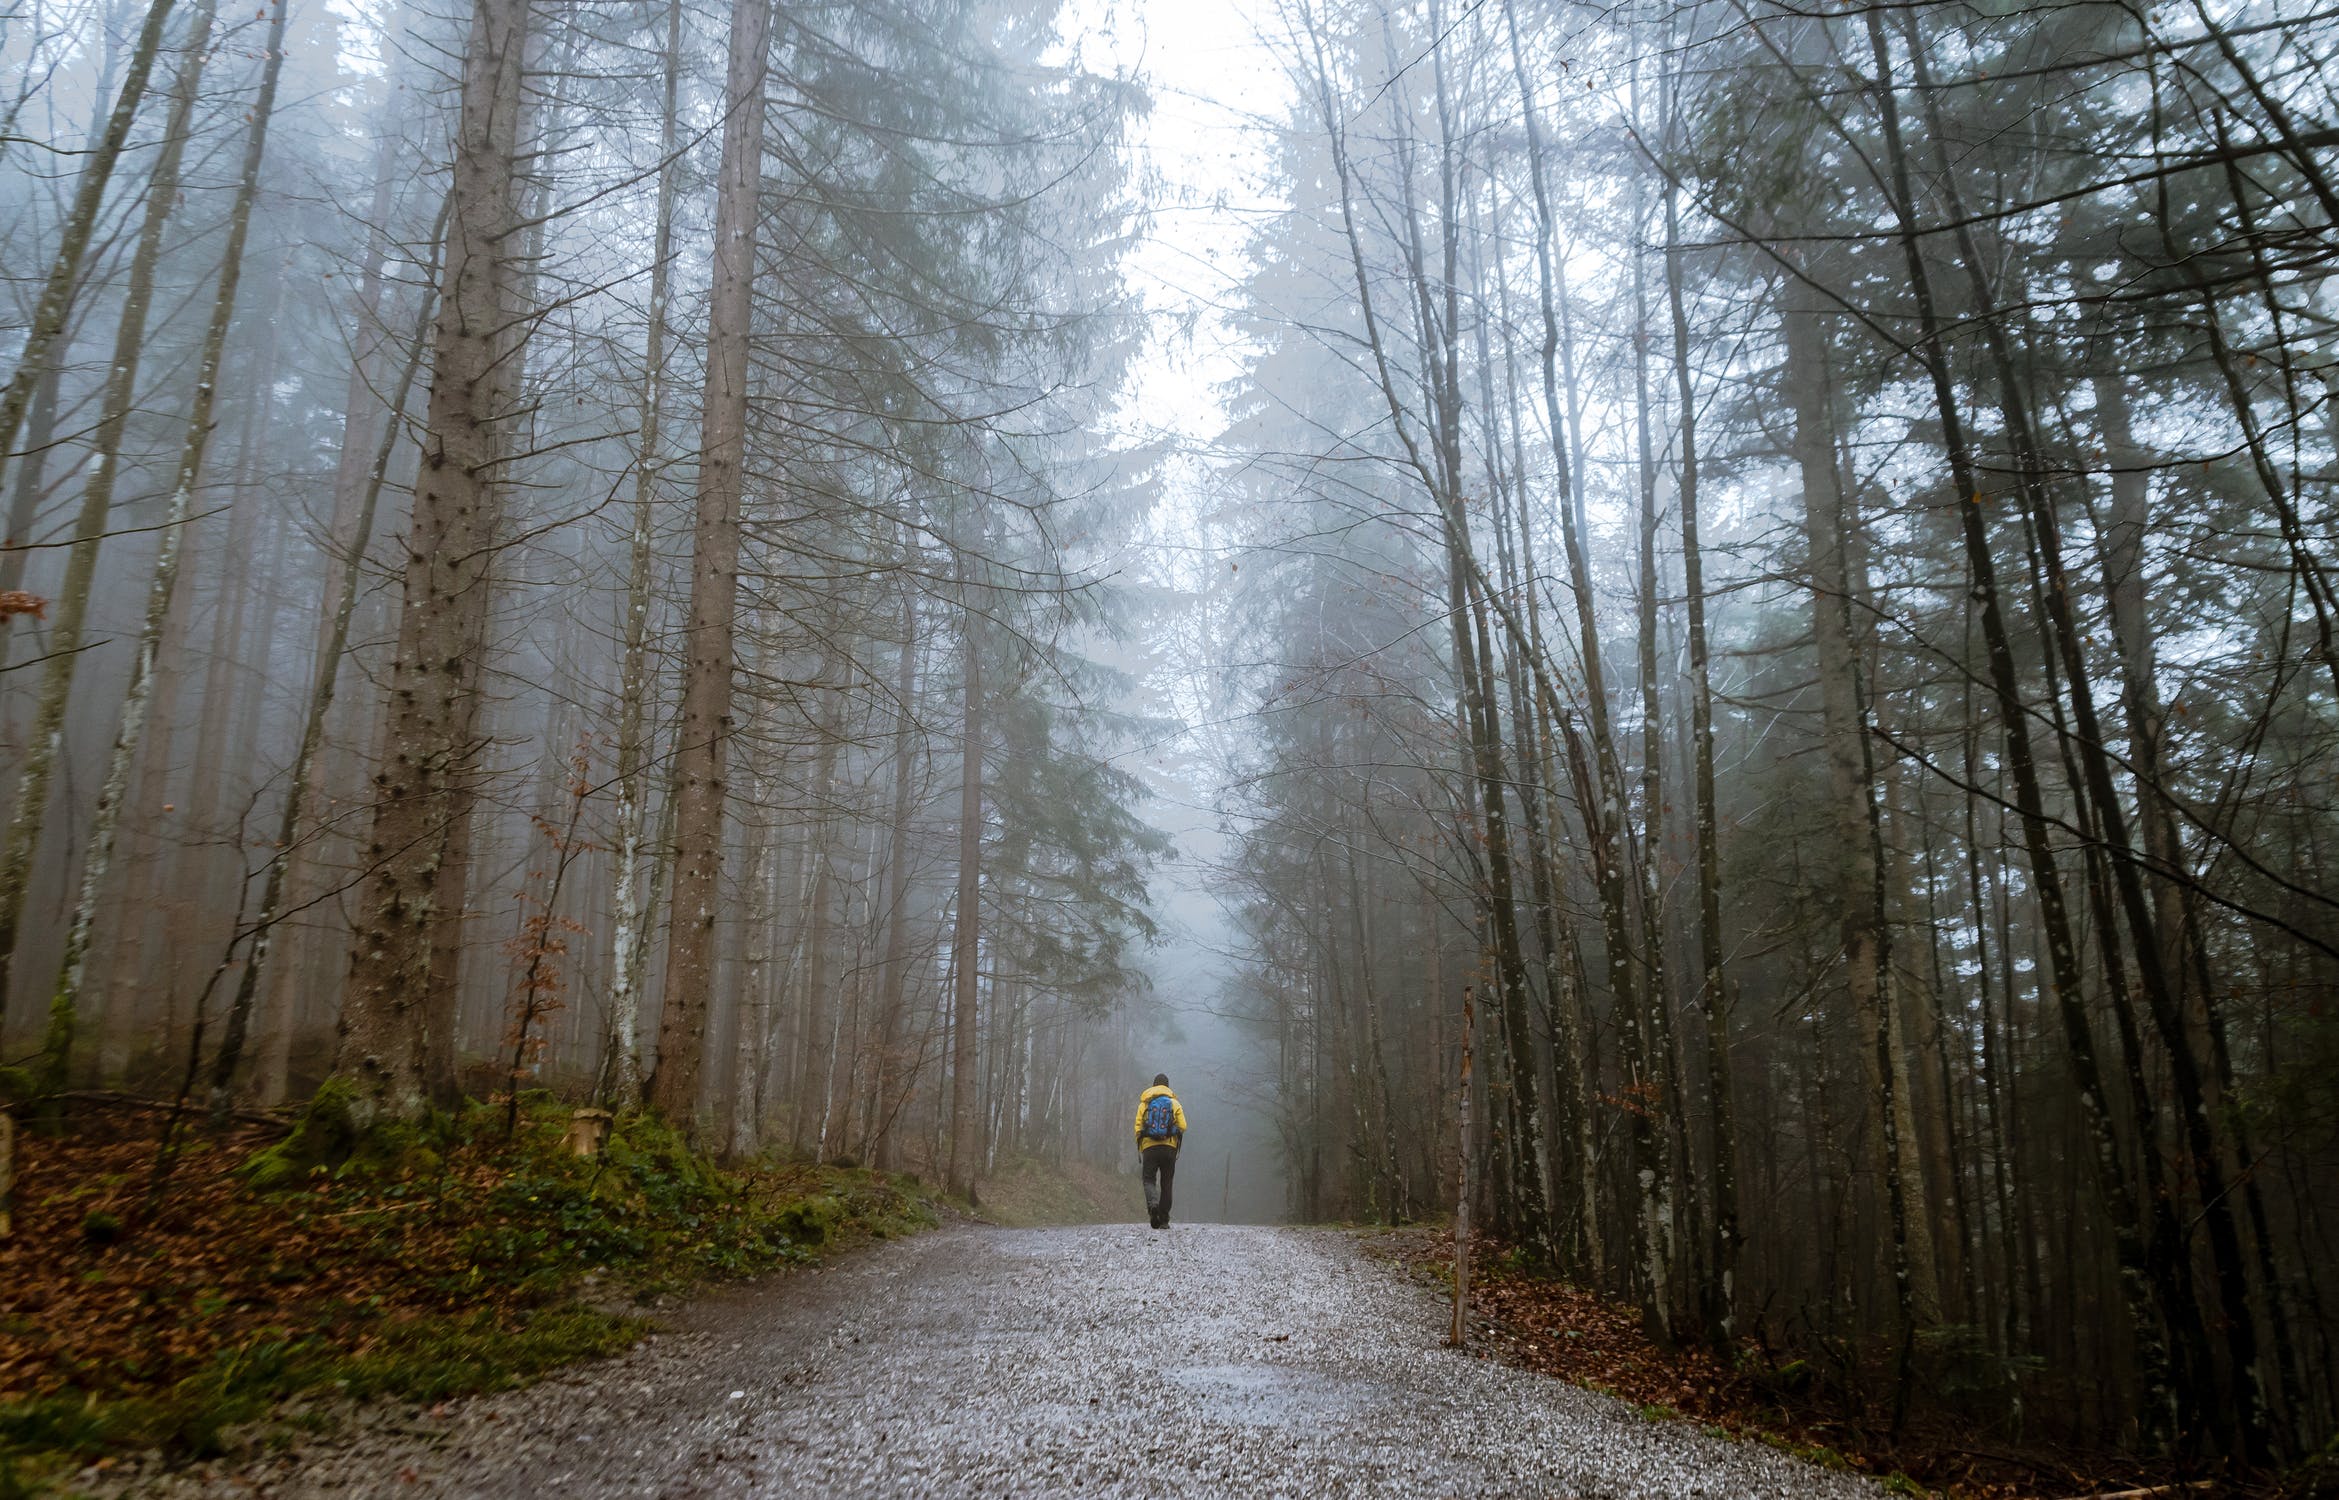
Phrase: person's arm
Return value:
(1138, 1129)
(1180, 1111)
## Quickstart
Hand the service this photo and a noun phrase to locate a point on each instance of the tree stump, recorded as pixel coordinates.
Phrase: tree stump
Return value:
(589, 1130)
(7, 1174)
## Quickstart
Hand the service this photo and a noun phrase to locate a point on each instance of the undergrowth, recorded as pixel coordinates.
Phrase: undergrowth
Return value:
(418, 1262)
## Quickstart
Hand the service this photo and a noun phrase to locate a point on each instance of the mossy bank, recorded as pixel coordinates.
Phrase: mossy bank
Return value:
(420, 1263)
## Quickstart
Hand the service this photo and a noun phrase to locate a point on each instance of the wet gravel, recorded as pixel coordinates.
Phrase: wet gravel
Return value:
(1208, 1360)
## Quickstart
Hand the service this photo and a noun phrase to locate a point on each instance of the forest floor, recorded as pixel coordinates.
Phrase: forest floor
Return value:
(1209, 1360)
(298, 1329)
(1537, 1322)
(261, 1297)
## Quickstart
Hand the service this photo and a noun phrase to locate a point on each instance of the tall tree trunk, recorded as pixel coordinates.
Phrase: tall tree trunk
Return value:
(1673, 1203)
(757, 994)
(2122, 543)
(1721, 1309)
(131, 726)
(886, 1085)
(629, 922)
(368, 435)
(1578, 1231)
(1439, 471)
(449, 939)
(1603, 810)
(303, 785)
(47, 741)
(966, 930)
(702, 741)
(429, 756)
(808, 1086)
(2140, 1284)
(1859, 884)
(2184, 1063)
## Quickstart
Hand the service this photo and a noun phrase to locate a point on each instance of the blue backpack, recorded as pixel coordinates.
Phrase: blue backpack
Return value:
(1161, 1118)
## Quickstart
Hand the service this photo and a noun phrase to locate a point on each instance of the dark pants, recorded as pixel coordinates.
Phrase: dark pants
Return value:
(1161, 1168)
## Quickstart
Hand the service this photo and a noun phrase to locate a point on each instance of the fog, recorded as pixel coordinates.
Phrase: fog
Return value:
(863, 576)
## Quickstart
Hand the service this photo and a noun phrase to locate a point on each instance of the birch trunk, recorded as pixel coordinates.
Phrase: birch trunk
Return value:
(630, 919)
(47, 741)
(1603, 795)
(131, 727)
(33, 359)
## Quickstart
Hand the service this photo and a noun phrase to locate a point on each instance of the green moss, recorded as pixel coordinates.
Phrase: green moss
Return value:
(1810, 1453)
(325, 1137)
(420, 1359)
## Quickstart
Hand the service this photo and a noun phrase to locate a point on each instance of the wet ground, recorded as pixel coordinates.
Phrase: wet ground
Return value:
(1204, 1361)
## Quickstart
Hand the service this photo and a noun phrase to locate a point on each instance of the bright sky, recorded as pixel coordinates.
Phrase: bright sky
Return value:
(1214, 85)
(1202, 160)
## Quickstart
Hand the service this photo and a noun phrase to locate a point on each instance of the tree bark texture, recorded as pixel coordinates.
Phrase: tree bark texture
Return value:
(702, 741)
(966, 938)
(430, 751)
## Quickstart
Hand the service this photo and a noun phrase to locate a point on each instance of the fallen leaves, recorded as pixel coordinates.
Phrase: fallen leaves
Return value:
(1540, 1323)
(233, 1285)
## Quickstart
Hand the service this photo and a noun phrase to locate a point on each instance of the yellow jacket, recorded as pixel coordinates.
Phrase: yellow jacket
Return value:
(1176, 1109)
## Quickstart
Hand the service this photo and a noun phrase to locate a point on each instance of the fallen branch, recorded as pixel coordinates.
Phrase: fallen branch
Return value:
(380, 1208)
(111, 1099)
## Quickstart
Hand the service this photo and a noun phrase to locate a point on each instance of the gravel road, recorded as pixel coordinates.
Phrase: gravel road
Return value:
(1205, 1361)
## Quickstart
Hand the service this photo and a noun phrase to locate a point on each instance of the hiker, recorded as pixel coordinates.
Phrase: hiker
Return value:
(1161, 1128)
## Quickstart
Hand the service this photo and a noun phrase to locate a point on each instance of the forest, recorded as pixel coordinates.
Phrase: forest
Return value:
(1744, 648)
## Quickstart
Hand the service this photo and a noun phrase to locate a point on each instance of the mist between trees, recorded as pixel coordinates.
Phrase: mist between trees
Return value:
(597, 602)
(1786, 550)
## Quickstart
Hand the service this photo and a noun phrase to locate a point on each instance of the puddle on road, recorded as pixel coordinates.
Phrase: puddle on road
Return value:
(1274, 1395)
